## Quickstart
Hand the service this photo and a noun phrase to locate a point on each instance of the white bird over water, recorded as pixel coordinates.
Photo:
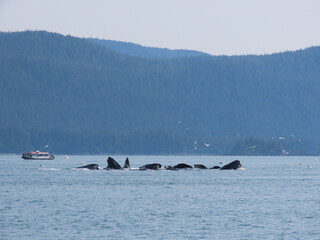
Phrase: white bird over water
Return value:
(285, 151)
(66, 157)
(83, 163)
(207, 144)
(252, 148)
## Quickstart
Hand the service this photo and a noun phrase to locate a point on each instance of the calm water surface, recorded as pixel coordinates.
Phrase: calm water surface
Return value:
(274, 198)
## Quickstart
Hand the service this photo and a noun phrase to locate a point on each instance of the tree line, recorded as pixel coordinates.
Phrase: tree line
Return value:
(105, 101)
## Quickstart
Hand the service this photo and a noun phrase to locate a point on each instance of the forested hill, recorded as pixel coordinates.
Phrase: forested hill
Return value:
(145, 52)
(81, 97)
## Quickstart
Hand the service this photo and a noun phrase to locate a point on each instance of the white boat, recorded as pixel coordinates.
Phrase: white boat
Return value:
(37, 155)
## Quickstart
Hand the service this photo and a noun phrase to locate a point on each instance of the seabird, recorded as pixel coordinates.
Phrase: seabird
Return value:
(285, 151)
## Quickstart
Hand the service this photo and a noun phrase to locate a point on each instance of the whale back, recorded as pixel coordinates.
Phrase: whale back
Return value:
(215, 167)
(152, 166)
(112, 164)
(91, 166)
(200, 166)
(182, 166)
(126, 164)
(232, 166)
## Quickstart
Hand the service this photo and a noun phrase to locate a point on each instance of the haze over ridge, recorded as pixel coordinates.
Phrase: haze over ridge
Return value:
(216, 27)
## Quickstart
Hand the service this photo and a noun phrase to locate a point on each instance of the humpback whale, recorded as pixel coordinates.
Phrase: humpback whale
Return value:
(170, 168)
(232, 166)
(126, 164)
(182, 166)
(200, 166)
(112, 164)
(152, 166)
(215, 167)
(91, 166)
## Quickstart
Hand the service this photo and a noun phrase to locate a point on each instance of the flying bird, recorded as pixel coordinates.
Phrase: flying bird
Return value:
(285, 151)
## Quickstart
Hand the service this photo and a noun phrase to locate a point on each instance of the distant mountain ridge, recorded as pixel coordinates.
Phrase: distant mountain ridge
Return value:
(145, 52)
(81, 97)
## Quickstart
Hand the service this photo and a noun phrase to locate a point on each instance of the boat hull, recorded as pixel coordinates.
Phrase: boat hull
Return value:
(38, 158)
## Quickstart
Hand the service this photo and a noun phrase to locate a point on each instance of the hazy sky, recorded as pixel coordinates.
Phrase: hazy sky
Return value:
(212, 26)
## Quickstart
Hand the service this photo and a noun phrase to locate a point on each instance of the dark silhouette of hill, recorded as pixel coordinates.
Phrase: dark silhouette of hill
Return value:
(80, 97)
(137, 50)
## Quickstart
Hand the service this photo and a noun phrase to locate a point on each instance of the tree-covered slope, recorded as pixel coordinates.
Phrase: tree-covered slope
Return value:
(82, 97)
(145, 52)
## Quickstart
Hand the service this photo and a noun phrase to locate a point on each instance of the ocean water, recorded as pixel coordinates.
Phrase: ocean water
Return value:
(273, 198)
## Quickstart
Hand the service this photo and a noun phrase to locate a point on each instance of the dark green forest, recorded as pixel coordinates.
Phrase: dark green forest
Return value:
(80, 96)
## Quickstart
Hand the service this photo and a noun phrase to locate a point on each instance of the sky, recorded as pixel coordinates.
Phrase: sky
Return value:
(228, 27)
